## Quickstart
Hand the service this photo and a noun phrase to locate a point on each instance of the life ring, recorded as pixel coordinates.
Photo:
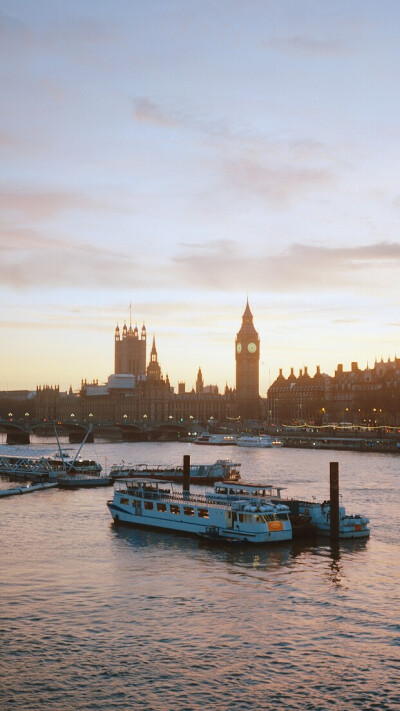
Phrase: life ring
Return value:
(306, 512)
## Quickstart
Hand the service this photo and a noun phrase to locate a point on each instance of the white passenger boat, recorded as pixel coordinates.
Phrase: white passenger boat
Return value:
(156, 504)
(255, 441)
(220, 439)
(222, 469)
(350, 525)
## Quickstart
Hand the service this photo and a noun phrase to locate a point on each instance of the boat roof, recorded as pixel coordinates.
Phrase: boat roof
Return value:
(27, 452)
(250, 487)
(145, 480)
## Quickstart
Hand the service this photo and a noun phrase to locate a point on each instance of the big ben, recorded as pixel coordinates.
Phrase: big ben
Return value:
(247, 353)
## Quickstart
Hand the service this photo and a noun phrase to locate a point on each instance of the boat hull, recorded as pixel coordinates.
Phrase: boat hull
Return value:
(83, 482)
(120, 515)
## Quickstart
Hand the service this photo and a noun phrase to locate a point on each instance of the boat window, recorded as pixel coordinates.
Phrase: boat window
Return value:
(188, 510)
(241, 518)
(203, 513)
(123, 500)
(148, 505)
(161, 507)
(175, 509)
(282, 516)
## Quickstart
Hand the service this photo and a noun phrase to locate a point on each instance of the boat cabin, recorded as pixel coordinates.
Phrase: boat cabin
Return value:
(232, 492)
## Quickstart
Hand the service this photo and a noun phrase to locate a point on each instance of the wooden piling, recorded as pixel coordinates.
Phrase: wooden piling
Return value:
(186, 473)
(334, 501)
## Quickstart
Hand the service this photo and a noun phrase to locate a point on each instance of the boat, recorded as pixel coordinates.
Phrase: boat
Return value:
(222, 469)
(157, 504)
(219, 439)
(301, 512)
(255, 441)
(29, 489)
(350, 525)
(78, 481)
(24, 464)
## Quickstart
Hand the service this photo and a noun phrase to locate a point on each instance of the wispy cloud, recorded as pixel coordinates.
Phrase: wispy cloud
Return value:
(36, 205)
(307, 44)
(299, 268)
(248, 175)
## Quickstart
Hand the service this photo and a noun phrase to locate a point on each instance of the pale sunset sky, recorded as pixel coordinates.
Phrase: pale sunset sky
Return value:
(182, 155)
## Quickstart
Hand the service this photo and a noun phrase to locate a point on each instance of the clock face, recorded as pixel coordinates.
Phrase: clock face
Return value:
(239, 347)
(252, 347)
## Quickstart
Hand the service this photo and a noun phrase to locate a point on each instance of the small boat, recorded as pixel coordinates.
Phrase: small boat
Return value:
(212, 535)
(218, 439)
(157, 504)
(350, 525)
(255, 441)
(29, 489)
(222, 469)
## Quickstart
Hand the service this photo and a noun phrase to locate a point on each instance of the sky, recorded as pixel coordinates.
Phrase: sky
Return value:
(183, 155)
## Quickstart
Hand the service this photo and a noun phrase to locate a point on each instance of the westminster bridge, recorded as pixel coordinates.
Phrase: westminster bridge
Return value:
(18, 431)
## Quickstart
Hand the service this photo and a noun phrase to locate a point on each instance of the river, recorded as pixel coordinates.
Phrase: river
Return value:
(97, 616)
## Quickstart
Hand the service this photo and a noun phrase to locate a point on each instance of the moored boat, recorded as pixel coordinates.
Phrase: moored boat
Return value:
(156, 504)
(218, 439)
(350, 525)
(222, 469)
(255, 441)
(79, 481)
(25, 464)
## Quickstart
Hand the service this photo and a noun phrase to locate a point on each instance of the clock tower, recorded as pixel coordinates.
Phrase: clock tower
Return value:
(247, 353)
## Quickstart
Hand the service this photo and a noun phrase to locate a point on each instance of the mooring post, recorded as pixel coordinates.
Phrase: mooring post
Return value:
(334, 501)
(186, 474)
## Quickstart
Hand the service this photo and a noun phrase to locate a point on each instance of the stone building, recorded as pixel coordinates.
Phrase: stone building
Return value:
(364, 397)
(136, 393)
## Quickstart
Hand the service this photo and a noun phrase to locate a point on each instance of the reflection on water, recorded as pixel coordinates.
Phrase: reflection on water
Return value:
(97, 616)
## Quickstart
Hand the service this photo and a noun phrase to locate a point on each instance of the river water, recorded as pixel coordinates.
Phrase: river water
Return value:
(95, 616)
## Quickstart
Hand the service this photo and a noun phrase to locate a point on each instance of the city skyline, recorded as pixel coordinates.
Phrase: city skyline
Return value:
(183, 158)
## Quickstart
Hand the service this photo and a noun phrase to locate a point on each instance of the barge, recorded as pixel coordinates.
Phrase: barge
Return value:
(221, 470)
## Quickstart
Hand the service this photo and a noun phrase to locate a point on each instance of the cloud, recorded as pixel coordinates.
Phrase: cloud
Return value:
(35, 205)
(249, 175)
(307, 44)
(32, 260)
(146, 111)
(301, 267)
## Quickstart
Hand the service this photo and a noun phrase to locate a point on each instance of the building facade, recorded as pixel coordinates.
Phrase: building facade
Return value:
(361, 397)
(136, 393)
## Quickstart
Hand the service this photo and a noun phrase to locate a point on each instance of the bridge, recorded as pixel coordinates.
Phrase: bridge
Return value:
(19, 430)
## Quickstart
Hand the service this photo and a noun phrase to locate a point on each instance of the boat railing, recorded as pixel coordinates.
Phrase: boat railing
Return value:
(159, 494)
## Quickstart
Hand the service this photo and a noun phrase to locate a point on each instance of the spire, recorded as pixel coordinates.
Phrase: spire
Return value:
(199, 382)
(247, 315)
(153, 369)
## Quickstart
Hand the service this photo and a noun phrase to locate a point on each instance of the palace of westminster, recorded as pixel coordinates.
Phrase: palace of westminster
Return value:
(138, 392)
